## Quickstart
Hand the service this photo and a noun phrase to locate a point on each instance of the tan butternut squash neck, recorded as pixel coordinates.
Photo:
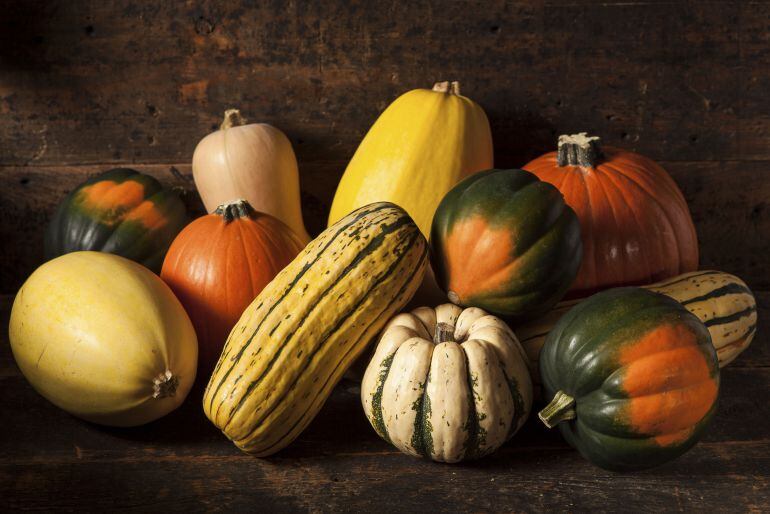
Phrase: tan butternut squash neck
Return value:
(450, 88)
(232, 211)
(233, 118)
(579, 150)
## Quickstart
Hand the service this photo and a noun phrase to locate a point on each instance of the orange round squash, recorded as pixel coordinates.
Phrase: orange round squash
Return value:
(634, 221)
(219, 263)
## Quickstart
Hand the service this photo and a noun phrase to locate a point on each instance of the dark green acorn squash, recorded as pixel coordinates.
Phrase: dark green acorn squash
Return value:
(120, 211)
(633, 378)
(506, 242)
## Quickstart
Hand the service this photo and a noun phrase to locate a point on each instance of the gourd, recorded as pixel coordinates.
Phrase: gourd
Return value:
(297, 338)
(722, 301)
(103, 338)
(251, 161)
(632, 378)
(504, 241)
(219, 263)
(418, 149)
(634, 221)
(447, 384)
(120, 211)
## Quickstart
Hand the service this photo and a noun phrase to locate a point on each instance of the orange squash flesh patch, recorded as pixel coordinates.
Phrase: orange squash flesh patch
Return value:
(148, 215)
(669, 384)
(478, 257)
(111, 196)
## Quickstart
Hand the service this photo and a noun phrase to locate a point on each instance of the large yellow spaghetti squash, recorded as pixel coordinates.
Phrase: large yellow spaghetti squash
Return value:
(420, 147)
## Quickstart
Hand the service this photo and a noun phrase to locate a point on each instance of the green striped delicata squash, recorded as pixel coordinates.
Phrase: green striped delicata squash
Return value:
(120, 211)
(504, 241)
(447, 384)
(294, 342)
(632, 378)
(723, 302)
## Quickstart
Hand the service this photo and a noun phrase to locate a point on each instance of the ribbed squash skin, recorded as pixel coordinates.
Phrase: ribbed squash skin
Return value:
(447, 384)
(120, 211)
(642, 372)
(504, 241)
(417, 150)
(219, 263)
(635, 223)
(722, 301)
(297, 338)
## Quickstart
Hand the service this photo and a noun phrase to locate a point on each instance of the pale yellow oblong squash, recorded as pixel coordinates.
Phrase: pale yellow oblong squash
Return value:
(103, 338)
(297, 338)
(423, 144)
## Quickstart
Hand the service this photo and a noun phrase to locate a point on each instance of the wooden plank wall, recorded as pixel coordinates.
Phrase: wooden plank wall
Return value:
(85, 86)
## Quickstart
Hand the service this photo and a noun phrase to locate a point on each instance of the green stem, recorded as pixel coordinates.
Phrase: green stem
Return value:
(561, 408)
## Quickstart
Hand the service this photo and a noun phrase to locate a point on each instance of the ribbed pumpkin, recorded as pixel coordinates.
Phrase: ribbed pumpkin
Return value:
(120, 211)
(723, 302)
(634, 221)
(504, 241)
(632, 377)
(297, 338)
(418, 149)
(219, 263)
(447, 384)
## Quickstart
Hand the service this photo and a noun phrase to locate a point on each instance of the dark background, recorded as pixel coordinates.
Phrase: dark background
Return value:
(89, 85)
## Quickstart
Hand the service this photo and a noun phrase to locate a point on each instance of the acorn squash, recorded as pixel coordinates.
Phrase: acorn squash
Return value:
(120, 211)
(504, 241)
(632, 377)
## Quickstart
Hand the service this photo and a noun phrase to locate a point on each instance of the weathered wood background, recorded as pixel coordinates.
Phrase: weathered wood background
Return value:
(89, 85)
(85, 86)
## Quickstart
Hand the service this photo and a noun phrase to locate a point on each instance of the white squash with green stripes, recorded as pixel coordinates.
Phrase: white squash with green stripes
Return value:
(447, 384)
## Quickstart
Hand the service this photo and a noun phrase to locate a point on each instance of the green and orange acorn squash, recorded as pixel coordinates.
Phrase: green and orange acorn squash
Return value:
(120, 211)
(506, 242)
(632, 376)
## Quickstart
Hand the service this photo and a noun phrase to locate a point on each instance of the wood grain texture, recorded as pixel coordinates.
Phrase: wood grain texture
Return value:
(182, 463)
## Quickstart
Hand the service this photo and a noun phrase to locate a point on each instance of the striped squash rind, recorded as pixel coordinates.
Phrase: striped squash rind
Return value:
(297, 338)
(723, 302)
(447, 399)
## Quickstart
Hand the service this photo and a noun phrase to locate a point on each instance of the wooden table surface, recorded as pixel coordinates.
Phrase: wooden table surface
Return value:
(51, 460)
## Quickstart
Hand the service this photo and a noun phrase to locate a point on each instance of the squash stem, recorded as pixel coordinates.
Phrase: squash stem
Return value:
(164, 385)
(444, 332)
(561, 408)
(451, 88)
(233, 118)
(578, 150)
(234, 210)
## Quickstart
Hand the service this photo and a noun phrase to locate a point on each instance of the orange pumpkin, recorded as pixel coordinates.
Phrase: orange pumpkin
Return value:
(634, 221)
(219, 263)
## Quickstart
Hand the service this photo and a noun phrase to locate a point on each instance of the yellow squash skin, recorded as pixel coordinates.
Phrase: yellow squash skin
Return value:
(103, 338)
(297, 338)
(418, 149)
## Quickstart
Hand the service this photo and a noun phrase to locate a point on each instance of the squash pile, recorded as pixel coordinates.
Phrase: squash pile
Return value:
(272, 320)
